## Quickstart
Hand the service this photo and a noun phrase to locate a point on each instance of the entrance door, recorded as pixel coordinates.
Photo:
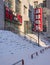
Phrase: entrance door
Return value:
(27, 27)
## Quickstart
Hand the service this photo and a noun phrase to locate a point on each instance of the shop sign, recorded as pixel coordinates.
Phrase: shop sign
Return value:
(38, 25)
(11, 17)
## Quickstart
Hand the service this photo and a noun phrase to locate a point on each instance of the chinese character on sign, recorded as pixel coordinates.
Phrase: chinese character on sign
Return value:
(38, 19)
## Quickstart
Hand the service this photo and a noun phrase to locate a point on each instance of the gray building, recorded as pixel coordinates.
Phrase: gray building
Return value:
(1, 14)
(48, 17)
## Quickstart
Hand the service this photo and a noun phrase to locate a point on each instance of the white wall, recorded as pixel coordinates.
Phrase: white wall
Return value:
(25, 17)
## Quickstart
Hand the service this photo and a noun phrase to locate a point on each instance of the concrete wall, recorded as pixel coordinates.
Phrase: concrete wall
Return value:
(31, 8)
(13, 5)
(1, 14)
(39, 2)
(48, 17)
(25, 16)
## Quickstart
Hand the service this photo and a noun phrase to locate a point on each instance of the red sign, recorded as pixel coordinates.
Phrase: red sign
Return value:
(11, 17)
(38, 25)
(19, 17)
(8, 14)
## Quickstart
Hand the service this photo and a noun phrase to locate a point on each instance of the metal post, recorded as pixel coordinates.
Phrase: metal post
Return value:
(38, 38)
(22, 62)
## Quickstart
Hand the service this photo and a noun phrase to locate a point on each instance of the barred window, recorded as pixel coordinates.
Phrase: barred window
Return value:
(9, 3)
(35, 4)
(44, 3)
(18, 6)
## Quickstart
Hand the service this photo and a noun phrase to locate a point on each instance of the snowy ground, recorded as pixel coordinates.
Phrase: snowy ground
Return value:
(14, 48)
(43, 41)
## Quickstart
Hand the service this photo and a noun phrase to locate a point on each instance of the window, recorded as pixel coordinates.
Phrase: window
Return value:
(44, 28)
(9, 3)
(30, 14)
(35, 4)
(18, 6)
(44, 3)
(6, 3)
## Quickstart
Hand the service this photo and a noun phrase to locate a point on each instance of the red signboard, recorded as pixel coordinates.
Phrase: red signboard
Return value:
(38, 25)
(19, 17)
(8, 14)
(11, 17)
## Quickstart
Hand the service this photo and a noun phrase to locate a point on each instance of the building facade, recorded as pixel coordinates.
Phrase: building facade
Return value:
(37, 11)
(45, 5)
(1, 14)
(14, 7)
(21, 8)
(48, 17)
(23, 15)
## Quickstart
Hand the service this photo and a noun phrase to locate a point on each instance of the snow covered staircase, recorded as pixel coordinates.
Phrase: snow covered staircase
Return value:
(14, 47)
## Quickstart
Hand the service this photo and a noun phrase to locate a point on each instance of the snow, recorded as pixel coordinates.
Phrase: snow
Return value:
(42, 41)
(14, 47)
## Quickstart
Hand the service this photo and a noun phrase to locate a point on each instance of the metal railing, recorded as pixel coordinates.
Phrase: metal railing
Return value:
(31, 39)
(22, 34)
(22, 61)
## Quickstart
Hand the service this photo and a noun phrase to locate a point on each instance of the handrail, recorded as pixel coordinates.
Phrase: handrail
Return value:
(27, 35)
(19, 62)
(32, 38)
(38, 52)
